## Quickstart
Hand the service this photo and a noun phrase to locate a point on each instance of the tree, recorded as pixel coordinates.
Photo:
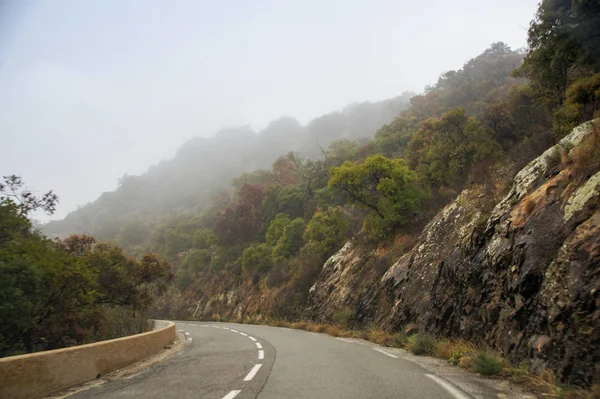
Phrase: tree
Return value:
(276, 228)
(564, 45)
(11, 190)
(328, 227)
(444, 150)
(387, 187)
(290, 241)
(257, 257)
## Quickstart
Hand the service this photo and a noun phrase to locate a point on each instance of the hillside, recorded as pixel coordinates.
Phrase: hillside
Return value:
(471, 215)
(204, 167)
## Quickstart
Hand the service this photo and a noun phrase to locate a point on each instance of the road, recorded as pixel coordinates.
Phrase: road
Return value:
(226, 360)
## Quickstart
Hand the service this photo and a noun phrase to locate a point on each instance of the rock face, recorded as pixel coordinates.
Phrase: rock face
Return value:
(522, 276)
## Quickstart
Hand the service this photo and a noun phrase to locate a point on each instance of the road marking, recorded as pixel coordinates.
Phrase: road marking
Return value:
(195, 325)
(234, 330)
(385, 353)
(231, 394)
(180, 330)
(204, 325)
(225, 328)
(253, 372)
(252, 338)
(258, 345)
(261, 354)
(244, 334)
(448, 387)
(345, 340)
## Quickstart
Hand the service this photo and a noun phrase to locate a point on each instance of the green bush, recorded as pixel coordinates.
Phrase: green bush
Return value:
(424, 344)
(400, 339)
(487, 364)
(342, 316)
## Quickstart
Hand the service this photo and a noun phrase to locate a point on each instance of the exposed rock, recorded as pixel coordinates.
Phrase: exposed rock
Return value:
(524, 281)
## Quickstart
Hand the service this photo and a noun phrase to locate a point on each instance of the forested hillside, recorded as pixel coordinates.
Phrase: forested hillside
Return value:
(445, 180)
(203, 167)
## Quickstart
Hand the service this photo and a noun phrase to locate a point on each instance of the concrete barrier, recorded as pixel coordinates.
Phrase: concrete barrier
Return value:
(38, 374)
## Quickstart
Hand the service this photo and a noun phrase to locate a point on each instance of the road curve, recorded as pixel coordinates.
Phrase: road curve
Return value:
(226, 360)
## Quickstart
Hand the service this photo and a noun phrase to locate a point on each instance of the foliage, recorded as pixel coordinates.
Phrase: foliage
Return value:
(52, 293)
(582, 101)
(564, 42)
(342, 316)
(290, 241)
(276, 228)
(422, 344)
(328, 227)
(487, 364)
(444, 150)
(387, 187)
(257, 257)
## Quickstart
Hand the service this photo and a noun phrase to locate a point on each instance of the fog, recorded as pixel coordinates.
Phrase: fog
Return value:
(94, 90)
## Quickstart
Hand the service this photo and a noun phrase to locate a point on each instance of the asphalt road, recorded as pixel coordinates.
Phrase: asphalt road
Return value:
(225, 360)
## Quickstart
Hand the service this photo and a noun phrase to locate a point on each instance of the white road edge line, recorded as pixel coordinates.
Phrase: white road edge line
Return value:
(253, 372)
(385, 353)
(252, 338)
(258, 345)
(448, 387)
(261, 354)
(345, 340)
(231, 394)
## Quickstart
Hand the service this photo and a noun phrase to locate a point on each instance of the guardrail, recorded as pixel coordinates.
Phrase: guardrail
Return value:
(38, 374)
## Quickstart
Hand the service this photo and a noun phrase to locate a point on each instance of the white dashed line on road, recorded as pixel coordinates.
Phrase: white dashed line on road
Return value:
(448, 387)
(385, 353)
(261, 354)
(234, 330)
(258, 345)
(345, 340)
(195, 325)
(253, 372)
(244, 334)
(231, 394)
(252, 338)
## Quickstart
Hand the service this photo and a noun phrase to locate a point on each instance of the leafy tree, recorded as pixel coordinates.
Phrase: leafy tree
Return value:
(328, 227)
(445, 149)
(385, 186)
(290, 241)
(276, 228)
(564, 43)
(257, 257)
(392, 139)
(11, 191)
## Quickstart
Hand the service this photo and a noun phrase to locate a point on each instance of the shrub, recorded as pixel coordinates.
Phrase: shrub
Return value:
(424, 344)
(400, 339)
(342, 316)
(487, 364)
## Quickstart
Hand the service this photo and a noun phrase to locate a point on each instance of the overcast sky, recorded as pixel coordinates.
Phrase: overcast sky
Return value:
(90, 90)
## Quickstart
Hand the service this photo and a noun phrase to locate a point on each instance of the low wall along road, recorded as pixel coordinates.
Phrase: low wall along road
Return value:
(38, 374)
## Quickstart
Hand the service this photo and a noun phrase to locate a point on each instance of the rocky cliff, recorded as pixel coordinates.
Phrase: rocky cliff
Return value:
(522, 276)
(519, 273)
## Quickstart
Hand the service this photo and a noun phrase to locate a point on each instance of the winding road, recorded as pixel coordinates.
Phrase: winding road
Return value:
(226, 360)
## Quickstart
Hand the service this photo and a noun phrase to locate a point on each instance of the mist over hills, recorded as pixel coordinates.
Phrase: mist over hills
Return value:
(203, 167)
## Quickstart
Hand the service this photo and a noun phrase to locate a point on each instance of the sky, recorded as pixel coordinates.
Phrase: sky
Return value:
(91, 90)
